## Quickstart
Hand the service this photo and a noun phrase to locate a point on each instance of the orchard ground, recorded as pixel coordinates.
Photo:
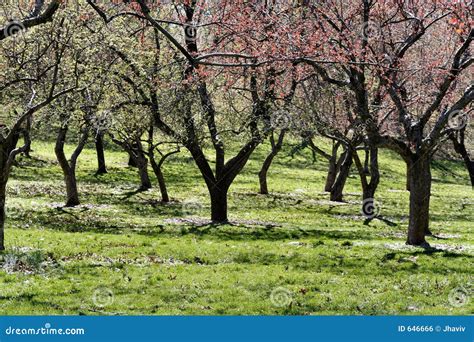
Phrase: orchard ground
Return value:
(292, 252)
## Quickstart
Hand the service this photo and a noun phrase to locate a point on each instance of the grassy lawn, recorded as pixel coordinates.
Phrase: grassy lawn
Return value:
(292, 252)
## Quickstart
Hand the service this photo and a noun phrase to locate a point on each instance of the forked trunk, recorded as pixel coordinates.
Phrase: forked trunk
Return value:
(420, 192)
(373, 168)
(338, 186)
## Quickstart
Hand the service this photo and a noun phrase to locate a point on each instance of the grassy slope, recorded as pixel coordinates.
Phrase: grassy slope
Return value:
(121, 253)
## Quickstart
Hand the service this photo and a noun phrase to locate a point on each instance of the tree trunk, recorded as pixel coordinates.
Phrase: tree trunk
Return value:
(338, 186)
(161, 179)
(71, 187)
(68, 172)
(262, 175)
(420, 185)
(219, 204)
(99, 147)
(2, 216)
(276, 148)
(142, 165)
(332, 173)
(7, 158)
(27, 137)
(131, 160)
(470, 167)
(460, 148)
(367, 161)
(374, 173)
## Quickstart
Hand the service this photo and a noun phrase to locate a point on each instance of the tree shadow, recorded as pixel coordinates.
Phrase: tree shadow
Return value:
(381, 218)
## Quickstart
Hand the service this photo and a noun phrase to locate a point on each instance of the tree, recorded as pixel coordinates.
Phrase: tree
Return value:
(376, 46)
(36, 59)
(250, 89)
(67, 116)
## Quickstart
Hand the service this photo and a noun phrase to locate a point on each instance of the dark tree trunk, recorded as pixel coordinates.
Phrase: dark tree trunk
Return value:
(99, 147)
(367, 161)
(142, 165)
(161, 179)
(262, 175)
(72, 195)
(69, 167)
(219, 204)
(374, 173)
(132, 162)
(420, 185)
(71, 188)
(470, 167)
(276, 148)
(334, 165)
(138, 158)
(458, 140)
(331, 177)
(27, 137)
(368, 187)
(2, 216)
(338, 186)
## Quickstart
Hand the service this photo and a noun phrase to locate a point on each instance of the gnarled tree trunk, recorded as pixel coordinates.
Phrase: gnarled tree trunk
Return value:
(369, 187)
(69, 167)
(72, 195)
(338, 186)
(276, 148)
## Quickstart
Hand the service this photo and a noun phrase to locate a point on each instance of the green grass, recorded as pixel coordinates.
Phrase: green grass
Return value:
(291, 252)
